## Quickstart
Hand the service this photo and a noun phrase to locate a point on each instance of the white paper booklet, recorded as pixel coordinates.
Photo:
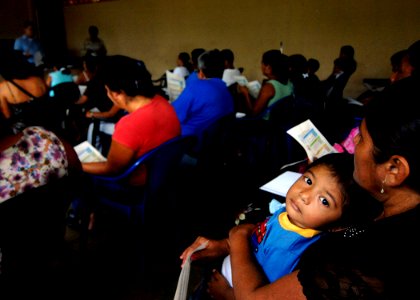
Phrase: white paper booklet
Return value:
(175, 85)
(87, 153)
(311, 139)
(254, 86)
(241, 80)
(281, 184)
(181, 292)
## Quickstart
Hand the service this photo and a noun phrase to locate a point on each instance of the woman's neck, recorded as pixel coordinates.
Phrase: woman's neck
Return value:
(137, 102)
(394, 205)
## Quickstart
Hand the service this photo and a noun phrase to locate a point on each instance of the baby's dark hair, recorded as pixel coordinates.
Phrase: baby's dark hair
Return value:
(358, 205)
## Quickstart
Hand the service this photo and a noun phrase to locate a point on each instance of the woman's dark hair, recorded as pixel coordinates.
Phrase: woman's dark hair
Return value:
(396, 59)
(313, 65)
(228, 55)
(347, 51)
(358, 205)
(93, 31)
(393, 122)
(195, 54)
(122, 73)
(279, 63)
(414, 57)
(211, 63)
(186, 60)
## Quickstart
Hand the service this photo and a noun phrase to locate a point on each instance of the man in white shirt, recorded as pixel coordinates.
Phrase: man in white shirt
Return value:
(230, 72)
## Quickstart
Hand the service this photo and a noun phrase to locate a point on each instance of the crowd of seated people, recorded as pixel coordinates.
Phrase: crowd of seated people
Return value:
(122, 89)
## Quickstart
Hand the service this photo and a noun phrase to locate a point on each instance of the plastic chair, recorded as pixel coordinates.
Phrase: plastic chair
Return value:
(139, 203)
(264, 143)
(145, 216)
(211, 151)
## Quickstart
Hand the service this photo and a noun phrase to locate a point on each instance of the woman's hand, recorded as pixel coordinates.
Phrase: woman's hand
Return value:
(243, 89)
(213, 249)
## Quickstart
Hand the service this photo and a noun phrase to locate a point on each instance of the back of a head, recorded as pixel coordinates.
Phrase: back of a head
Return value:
(28, 23)
(393, 122)
(347, 51)
(195, 53)
(298, 64)
(184, 57)
(93, 31)
(228, 55)
(122, 73)
(279, 63)
(313, 65)
(396, 59)
(211, 64)
(414, 57)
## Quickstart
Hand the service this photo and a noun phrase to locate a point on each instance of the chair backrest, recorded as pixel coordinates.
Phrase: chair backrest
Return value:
(162, 165)
(283, 112)
(264, 143)
(213, 144)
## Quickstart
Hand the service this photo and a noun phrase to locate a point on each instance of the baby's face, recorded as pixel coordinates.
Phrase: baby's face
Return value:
(315, 199)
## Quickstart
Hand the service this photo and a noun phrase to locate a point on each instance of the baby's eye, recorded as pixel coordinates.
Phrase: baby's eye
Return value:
(324, 201)
(307, 180)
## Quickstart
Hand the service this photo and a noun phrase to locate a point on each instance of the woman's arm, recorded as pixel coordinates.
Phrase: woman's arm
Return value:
(255, 106)
(266, 93)
(104, 114)
(119, 158)
(83, 99)
(4, 107)
(248, 281)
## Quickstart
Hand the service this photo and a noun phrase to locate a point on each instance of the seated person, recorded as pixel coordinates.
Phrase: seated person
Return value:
(61, 85)
(102, 126)
(22, 83)
(89, 68)
(195, 53)
(309, 102)
(333, 86)
(230, 71)
(183, 65)
(93, 105)
(150, 121)
(274, 66)
(38, 174)
(205, 100)
(322, 199)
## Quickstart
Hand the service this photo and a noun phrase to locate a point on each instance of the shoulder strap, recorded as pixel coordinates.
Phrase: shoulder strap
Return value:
(22, 89)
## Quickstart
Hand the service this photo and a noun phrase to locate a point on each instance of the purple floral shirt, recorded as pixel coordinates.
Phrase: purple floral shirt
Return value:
(33, 161)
